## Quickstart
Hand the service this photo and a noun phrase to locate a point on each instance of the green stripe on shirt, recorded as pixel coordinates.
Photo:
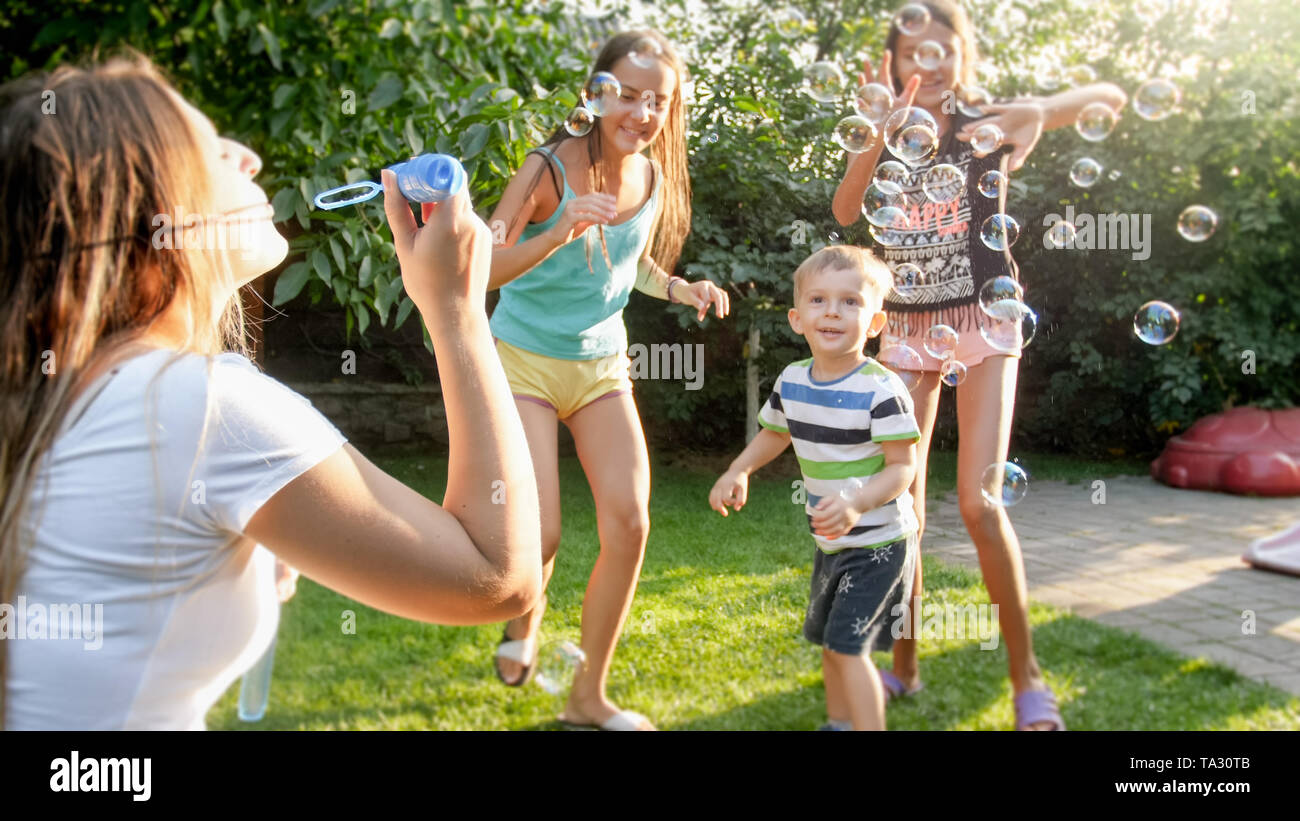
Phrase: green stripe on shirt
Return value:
(770, 426)
(842, 470)
(895, 437)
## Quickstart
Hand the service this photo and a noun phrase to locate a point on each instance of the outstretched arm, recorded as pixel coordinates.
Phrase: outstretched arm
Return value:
(1024, 120)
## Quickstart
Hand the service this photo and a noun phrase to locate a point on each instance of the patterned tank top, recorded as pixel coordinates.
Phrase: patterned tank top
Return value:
(943, 240)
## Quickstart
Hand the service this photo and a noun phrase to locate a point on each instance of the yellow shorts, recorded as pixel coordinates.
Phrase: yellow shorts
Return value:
(566, 386)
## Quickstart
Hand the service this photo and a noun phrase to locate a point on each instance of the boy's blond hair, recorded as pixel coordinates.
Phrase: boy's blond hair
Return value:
(879, 278)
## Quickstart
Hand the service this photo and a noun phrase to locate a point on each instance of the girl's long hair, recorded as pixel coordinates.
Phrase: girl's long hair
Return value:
(953, 16)
(88, 157)
(669, 149)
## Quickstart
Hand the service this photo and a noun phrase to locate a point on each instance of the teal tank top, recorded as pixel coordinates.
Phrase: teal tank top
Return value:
(560, 309)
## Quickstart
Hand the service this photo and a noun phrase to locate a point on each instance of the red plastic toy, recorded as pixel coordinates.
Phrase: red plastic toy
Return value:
(1244, 450)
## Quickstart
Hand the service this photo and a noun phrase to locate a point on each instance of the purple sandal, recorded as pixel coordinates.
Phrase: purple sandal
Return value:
(894, 686)
(1035, 706)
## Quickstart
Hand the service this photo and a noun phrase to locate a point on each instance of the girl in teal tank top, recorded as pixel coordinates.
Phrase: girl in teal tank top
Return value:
(610, 220)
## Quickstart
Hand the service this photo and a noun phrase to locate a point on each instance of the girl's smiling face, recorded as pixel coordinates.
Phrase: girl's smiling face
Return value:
(934, 81)
(641, 111)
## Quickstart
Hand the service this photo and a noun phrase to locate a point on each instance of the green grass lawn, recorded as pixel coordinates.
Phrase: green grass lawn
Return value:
(714, 640)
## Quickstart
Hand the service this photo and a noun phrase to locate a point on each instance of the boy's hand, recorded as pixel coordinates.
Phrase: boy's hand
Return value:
(834, 516)
(732, 489)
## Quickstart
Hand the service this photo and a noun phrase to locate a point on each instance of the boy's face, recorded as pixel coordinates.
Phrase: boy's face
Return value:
(837, 311)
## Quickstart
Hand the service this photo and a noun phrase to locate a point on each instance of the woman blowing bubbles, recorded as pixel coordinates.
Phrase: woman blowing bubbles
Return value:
(100, 455)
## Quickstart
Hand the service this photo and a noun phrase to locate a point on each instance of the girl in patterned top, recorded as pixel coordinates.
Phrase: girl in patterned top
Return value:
(943, 240)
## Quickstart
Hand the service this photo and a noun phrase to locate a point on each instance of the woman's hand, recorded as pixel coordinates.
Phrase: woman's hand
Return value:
(581, 213)
(445, 262)
(1021, 125)
(731, 489)
(886, 79)
(286, 581)
(700, 295)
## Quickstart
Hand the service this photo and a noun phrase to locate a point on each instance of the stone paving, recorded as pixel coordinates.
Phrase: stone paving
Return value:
(1155, 560)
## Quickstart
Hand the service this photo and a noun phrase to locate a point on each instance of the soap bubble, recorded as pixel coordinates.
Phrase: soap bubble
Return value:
(873, 101)
(952, 373)
(911, 134)
(1008, 325)
(600, 93)
(879, 194)
(986, 138)
(1197, 223)
(579, 122)
(854, 134)
(929, 55)
(892, 171)
(887, 216)
(1156, 99)
(887, 235)
(912, 19)
(943, 183)
(940, 341)
(824, 81)
(711, 137)
(645, 51)
(1080, 75)
(992, 183)
(1114, 175)
(972, 99)
(999, 289)
(1000, 232)
(833, 238)
(903, 360)
(790, 23)
(1004, 484)
(1085, 172)
(557, 663)
(1156, 323)
(851, 488)
(1095, 122)
(907, 277)
(928, 143)
(1061, 234)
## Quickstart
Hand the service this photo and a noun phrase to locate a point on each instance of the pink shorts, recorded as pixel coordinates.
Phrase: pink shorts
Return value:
(972, 348)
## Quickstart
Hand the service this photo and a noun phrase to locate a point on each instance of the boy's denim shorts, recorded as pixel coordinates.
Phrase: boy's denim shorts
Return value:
(855, 593)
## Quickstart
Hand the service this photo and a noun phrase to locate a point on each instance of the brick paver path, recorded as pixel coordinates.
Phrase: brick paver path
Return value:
(1161, 562)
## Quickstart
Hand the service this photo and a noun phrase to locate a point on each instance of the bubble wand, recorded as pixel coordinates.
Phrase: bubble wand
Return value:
(426, 178)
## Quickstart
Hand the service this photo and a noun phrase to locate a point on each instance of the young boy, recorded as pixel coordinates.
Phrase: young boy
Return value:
(853, 430)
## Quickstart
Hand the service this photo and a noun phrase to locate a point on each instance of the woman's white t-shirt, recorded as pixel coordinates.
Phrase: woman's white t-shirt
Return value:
(188, 603)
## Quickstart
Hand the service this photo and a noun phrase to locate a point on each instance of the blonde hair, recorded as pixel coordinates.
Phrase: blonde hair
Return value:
(79, 276)
(851, 258)
(673, 223)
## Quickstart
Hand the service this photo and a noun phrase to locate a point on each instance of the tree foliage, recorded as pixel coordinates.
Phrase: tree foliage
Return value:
(329, 91)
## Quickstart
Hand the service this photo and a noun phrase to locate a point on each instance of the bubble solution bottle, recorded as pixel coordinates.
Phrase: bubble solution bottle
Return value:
(426, 178)
(255, 689)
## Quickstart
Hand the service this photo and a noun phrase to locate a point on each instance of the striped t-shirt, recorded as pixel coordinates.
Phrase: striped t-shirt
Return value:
(837, 428)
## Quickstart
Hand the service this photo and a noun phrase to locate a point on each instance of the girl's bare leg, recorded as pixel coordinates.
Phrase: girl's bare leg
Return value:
(925, 400)
(612, 448)
(985, 402)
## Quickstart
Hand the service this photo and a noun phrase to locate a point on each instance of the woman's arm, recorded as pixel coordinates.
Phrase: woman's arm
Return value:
(847, 205)
(355, 529)
(1024, 120)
